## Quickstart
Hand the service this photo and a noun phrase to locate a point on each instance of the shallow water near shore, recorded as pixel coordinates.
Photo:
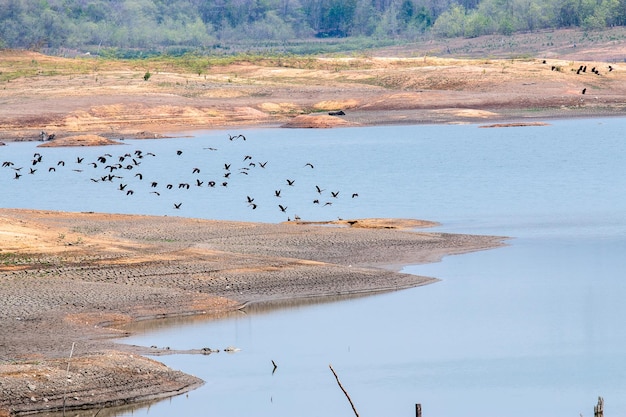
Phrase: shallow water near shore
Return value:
(533, 328)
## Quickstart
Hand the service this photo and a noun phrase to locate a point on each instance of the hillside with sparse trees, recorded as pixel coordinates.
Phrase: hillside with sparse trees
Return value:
(220, 25)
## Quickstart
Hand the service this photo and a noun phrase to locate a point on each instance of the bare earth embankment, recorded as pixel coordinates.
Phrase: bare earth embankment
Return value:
(71, 279)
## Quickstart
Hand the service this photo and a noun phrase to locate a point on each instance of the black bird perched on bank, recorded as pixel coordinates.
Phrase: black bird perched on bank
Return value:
(584, 90)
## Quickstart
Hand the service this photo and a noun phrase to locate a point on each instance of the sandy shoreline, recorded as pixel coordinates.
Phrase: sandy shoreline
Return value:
(108, 270)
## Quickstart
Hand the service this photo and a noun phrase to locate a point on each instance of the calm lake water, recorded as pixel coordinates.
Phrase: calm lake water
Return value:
(531, 329)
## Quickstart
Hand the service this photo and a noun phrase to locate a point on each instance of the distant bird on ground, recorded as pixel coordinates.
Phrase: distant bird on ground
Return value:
(610, 68)
(584, 90)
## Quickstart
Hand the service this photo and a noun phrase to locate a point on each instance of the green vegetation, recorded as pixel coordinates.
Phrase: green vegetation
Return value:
(145, 28)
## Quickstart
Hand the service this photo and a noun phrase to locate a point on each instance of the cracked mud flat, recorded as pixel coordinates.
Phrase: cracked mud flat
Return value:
(70, 280)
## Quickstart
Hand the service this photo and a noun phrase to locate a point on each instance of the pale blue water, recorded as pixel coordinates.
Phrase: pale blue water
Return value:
(534, 328)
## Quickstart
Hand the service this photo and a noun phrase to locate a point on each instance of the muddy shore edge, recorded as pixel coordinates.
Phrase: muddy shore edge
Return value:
(72, 280)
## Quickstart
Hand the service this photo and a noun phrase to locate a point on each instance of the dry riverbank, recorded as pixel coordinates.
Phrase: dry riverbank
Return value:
(70, 278)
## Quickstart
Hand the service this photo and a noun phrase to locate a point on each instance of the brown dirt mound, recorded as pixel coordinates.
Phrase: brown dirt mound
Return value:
(79, 140)
(322, 121)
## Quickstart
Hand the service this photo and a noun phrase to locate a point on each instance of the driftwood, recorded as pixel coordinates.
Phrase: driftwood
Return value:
(598, 410)
(344, 391)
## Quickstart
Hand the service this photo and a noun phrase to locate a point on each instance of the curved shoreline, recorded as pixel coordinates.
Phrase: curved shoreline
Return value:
(130, 268)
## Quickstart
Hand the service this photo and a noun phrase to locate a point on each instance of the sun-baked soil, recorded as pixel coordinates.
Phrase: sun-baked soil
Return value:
(70, 280)
(446, 81)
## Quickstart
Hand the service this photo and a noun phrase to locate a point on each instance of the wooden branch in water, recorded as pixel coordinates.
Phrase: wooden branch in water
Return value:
(344, 390)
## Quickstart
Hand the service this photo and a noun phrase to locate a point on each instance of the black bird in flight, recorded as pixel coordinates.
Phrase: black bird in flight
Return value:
(355, 195)
(177, 206)
(226, 167)
(309, 164)
(290, 182)
(250, 199)
(253, 206)
(169, 186)
(277, 193)
(79, 159)
(179, 152)
(319, 190)
(282, 208)
(196, 171)
(262, 164)
(334, 194)
(139, 175)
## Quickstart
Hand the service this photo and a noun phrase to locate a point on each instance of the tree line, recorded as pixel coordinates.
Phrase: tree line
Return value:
(154, 24)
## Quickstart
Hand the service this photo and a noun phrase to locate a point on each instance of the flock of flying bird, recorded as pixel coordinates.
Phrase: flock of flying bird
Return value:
(124, 169)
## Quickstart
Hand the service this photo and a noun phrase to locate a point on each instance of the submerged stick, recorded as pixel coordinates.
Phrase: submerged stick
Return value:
(67, 376)
(344, 390)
